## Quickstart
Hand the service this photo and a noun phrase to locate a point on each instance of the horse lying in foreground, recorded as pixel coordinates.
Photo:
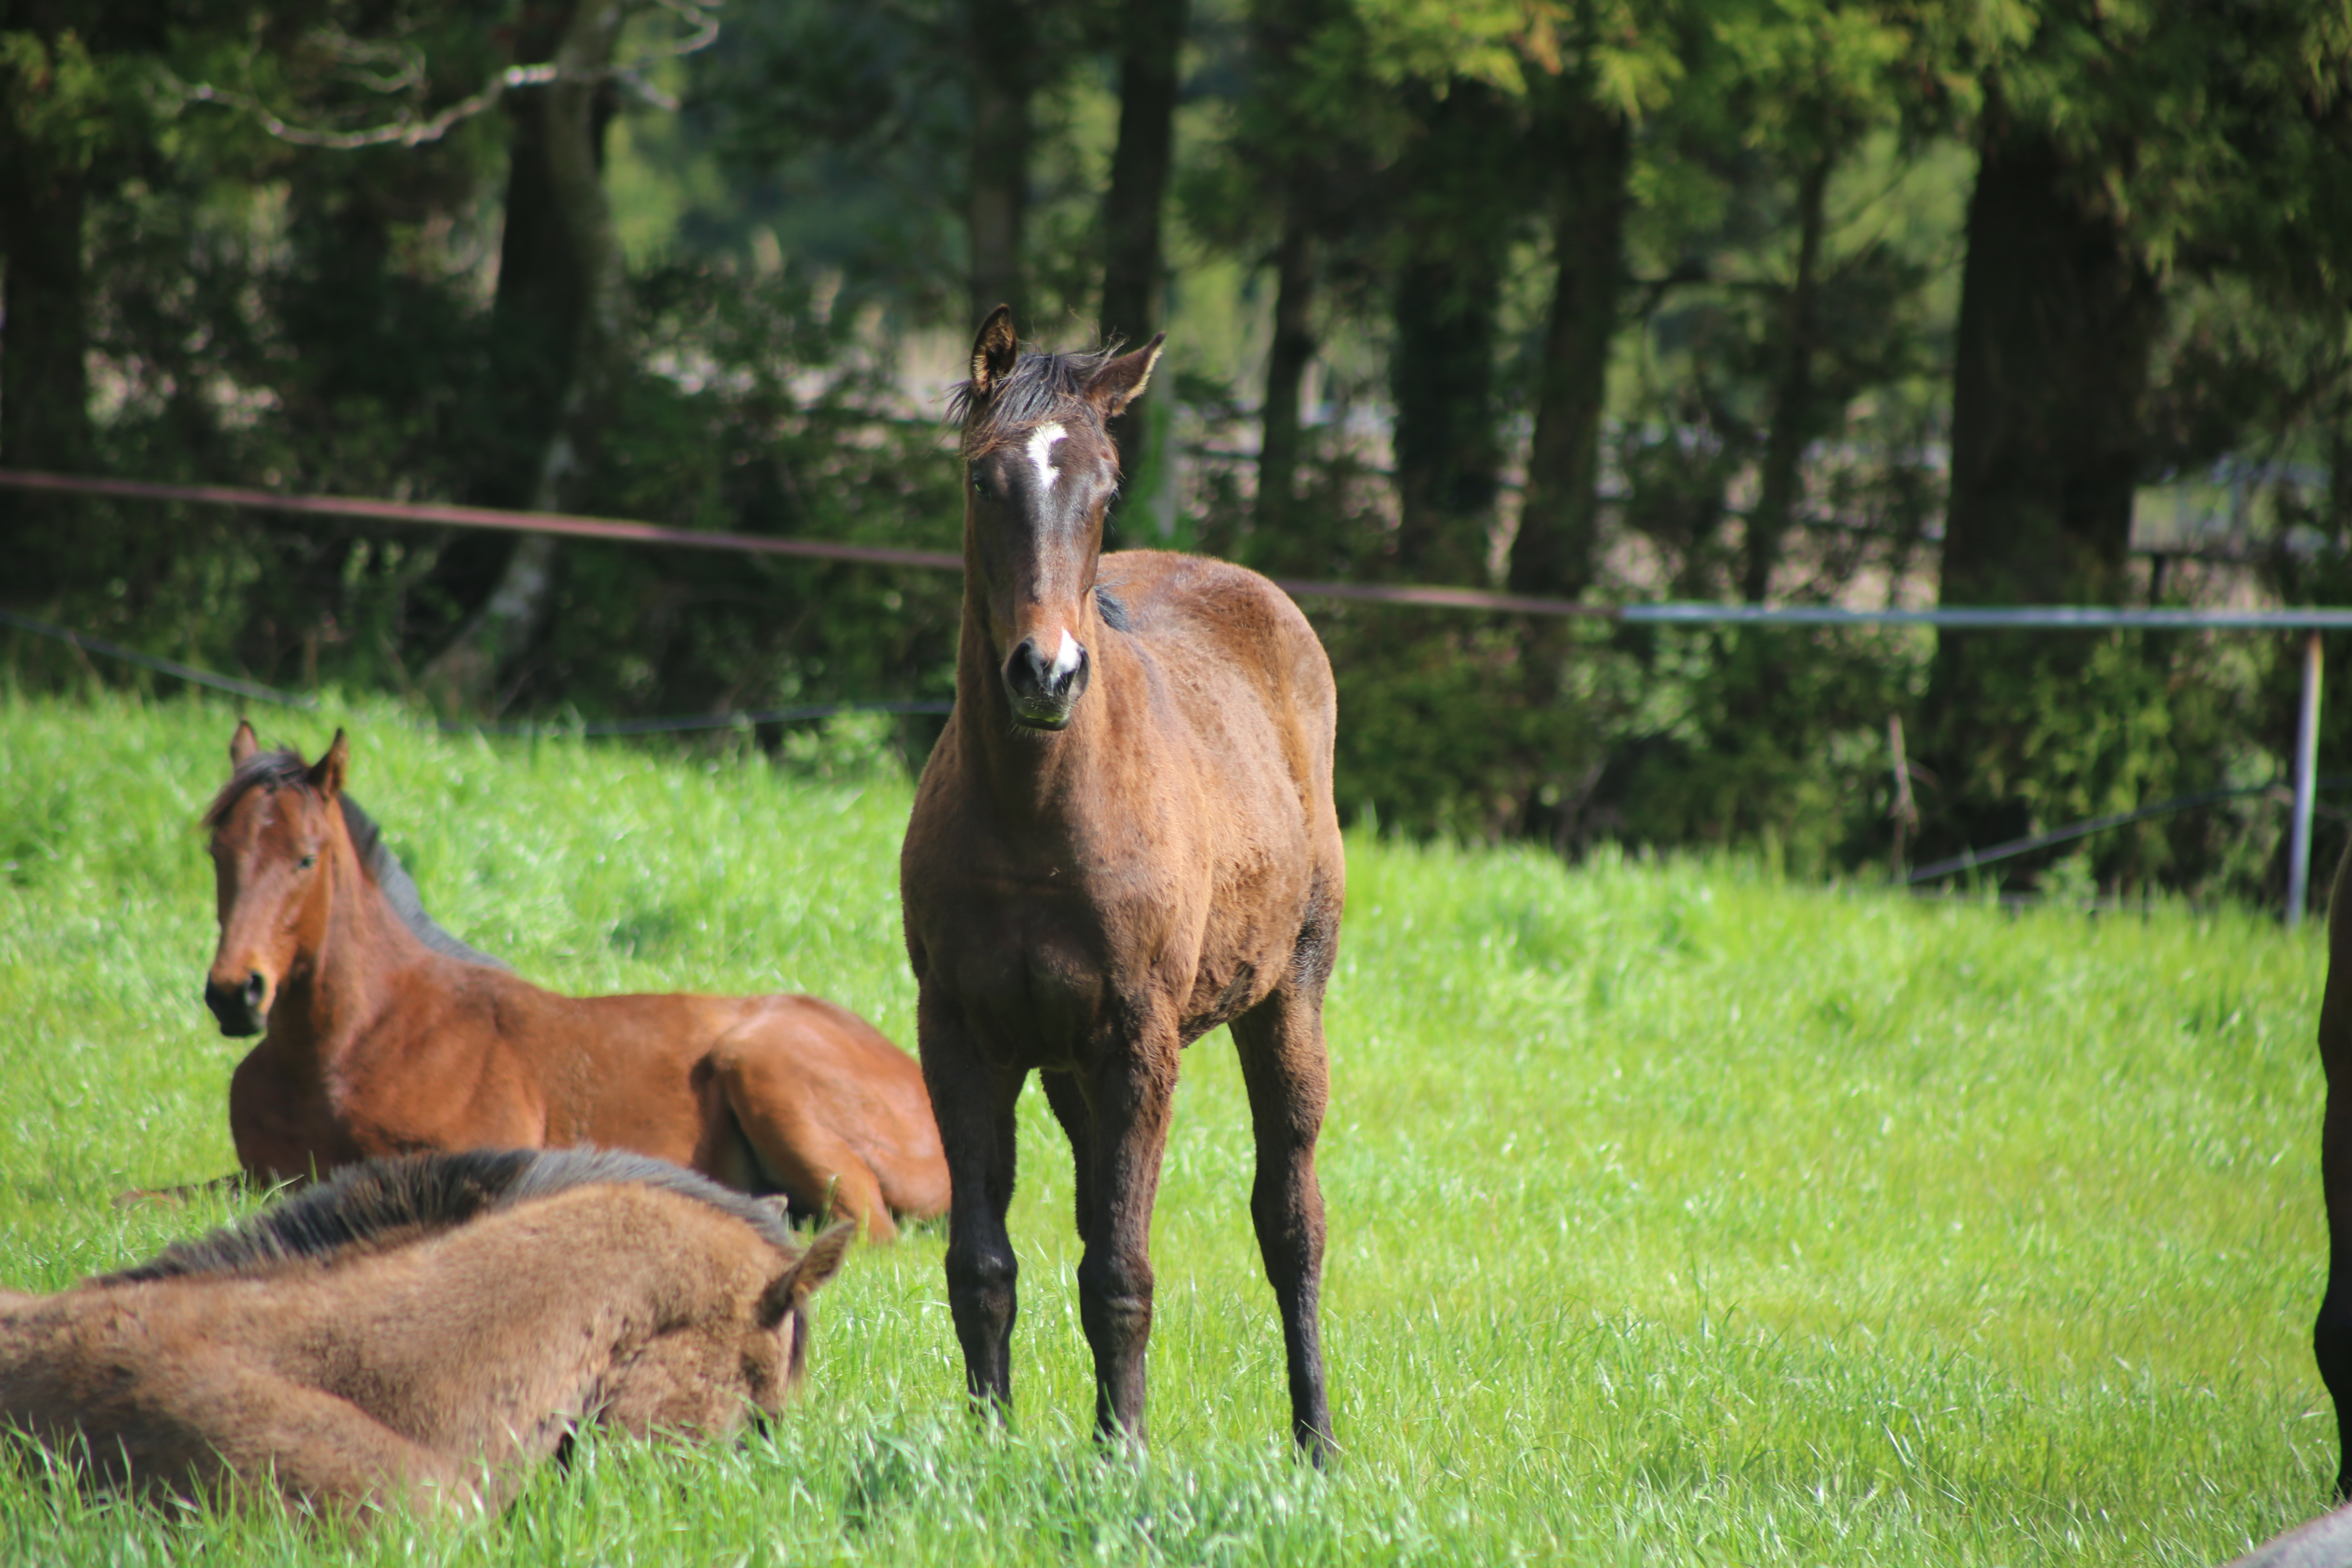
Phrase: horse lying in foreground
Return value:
(385, 1035)
(421, 1333)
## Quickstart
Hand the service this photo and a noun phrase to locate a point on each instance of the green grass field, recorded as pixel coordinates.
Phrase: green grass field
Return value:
(1677, 1213)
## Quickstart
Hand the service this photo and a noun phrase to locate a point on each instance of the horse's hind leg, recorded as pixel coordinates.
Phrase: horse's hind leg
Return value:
(1288, 1078)
(808, 1160)
(1069, 1104)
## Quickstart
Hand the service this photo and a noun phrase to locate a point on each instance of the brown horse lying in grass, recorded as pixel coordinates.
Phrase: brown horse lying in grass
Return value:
(385, 1035)
(421, 1333)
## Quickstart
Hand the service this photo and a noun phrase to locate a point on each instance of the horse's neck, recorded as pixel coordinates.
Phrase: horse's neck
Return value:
(346, 983)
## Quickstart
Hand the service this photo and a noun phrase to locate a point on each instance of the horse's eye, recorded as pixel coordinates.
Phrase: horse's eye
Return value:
(980, 485)
(307, 862)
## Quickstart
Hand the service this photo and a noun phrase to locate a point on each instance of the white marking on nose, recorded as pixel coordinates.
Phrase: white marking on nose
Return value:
(1041, 453)
(1066, 658)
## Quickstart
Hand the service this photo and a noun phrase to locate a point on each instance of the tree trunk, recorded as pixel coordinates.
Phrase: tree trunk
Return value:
(1151, 40)
(560, 320)
(44, 368)
(1560, 525)
(1297, 169)
(46, 541)
(1794, 418)
(1286, 374)
(1442, 366)
(2057, 318)
(1003, 80)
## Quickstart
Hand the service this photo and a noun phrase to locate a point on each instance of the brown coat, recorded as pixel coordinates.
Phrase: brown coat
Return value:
(1125, 839)
(423, 1333)
(386, 1035)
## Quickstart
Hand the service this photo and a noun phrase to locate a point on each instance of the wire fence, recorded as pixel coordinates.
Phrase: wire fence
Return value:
(1431, 597)
(2311, 620)
(730, 720)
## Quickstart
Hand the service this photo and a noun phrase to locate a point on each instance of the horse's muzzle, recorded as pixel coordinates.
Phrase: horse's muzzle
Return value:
(1045, 687)
(238, 1007)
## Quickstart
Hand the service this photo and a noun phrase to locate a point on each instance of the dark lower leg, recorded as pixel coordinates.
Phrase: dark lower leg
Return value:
(1286, 1207)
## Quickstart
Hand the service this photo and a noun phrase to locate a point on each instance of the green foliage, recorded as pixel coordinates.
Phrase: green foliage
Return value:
(1762, 736)
(1678, 1214)
(262, 312)
(1440, 733)
(2105, 723)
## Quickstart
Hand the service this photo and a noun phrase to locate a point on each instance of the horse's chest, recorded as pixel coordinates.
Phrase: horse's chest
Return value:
(1036, 985)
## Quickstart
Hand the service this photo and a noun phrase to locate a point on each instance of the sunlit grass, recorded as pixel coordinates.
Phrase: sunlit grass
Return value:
(1678, 1214)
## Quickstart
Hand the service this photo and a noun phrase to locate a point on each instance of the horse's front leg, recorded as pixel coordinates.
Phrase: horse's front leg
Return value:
(972, 1101)
(1288, 1078)
(1132, 1093)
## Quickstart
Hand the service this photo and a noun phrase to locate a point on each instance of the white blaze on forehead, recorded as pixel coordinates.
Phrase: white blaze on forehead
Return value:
(1065, 658)
(1041, 454)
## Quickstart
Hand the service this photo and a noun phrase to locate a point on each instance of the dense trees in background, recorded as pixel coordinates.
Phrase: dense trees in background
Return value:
(1749, 300)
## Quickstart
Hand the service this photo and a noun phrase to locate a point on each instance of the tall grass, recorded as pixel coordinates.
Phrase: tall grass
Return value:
(1678, 1214)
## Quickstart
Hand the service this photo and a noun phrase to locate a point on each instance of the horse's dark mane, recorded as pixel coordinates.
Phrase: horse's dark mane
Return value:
(1039, 387)
(388, 1203)
(287, 769)
(400, 889)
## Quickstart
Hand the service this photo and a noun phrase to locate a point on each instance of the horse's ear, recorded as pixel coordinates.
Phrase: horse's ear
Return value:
(242, 744)
(993, 352)
(326, 775)
(809, 1271)
(1122, 381)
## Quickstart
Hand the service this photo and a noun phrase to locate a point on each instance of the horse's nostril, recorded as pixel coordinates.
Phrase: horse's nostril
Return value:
(255, 986)
(1031, 674)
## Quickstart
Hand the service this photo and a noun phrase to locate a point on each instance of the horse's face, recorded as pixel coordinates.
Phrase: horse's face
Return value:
(736, 1353)
(273, 853)
(1040, 468)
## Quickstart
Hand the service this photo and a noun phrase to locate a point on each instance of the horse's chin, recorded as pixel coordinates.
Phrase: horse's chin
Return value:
(1041, 720)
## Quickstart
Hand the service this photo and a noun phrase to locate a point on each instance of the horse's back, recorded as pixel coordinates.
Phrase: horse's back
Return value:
(1245, 651)
(1196, 605)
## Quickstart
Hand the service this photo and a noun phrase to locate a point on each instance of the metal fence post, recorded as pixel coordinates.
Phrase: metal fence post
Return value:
(2306, 775)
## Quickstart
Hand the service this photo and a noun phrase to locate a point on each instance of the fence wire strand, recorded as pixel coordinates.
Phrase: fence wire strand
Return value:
(734, 719)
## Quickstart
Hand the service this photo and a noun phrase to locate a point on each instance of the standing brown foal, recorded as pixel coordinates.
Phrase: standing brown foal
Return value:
(1124, 839)
(385, 1035)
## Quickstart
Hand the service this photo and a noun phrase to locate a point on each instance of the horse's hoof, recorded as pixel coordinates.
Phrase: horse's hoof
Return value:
(141, 1197)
